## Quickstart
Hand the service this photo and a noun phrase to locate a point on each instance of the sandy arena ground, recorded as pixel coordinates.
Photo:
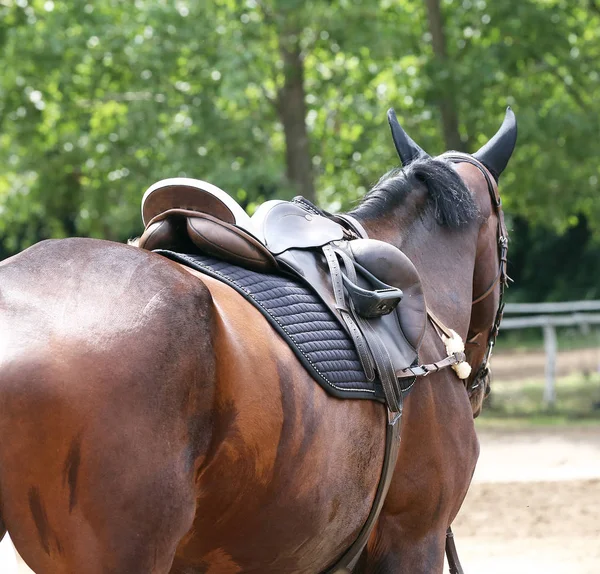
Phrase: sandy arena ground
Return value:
(517, 366)
(534, 506)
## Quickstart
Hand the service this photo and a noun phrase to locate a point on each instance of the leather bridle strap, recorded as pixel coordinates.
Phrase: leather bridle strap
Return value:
(489, 290)
(502, 233)
(501, 277)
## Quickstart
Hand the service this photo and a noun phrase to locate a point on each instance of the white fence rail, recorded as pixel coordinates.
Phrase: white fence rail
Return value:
(563, 307)
(548, 316)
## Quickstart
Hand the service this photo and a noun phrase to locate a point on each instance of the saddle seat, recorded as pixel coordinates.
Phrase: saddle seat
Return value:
(193, 216)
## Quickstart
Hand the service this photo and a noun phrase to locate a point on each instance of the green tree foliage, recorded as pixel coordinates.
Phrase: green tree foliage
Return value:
(274, 97)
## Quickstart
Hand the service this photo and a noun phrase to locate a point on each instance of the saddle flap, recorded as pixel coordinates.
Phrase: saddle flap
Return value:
(312, 267)
(393, 267)
(285, 225)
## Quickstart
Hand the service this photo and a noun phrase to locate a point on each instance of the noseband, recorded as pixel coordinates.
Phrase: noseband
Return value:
(501, 278)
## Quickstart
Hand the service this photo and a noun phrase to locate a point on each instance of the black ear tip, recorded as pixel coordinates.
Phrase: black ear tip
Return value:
(407, 149)
(509, 116)
(497, 151)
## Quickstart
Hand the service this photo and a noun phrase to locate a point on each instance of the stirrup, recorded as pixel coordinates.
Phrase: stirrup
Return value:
(372, 303)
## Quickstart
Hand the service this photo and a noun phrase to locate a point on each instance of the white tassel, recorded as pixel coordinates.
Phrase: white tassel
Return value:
(455, 344)
(462, 369)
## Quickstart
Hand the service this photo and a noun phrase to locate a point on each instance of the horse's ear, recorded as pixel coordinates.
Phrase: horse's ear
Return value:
(496, 153)
(407, 149)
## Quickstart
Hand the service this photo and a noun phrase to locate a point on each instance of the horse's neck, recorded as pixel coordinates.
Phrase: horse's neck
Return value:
(445, 260)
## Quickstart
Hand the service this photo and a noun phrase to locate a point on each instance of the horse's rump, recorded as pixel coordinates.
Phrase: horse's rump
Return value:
(104, 401)
(143, 403)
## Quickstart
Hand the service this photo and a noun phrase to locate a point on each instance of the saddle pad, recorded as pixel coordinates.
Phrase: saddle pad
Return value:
(295, 311)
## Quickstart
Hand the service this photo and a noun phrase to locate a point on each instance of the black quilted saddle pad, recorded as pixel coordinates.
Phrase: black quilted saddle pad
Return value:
(302, 319)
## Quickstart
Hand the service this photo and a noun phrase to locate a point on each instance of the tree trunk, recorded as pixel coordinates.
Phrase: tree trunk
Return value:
(291, 107)
(446, 100)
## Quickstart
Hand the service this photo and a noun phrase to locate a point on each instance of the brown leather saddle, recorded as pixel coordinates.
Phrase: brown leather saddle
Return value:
(371, 286)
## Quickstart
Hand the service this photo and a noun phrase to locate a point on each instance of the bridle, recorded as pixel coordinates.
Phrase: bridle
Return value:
(501, 279)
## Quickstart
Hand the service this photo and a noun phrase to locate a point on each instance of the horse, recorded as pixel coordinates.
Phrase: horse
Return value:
(153, 421)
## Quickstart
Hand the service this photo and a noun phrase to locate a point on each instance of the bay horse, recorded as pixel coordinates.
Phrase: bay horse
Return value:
(151, 420)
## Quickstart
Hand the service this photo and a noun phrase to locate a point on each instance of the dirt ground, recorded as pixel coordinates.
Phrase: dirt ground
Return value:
(534, 505)
(517, 366)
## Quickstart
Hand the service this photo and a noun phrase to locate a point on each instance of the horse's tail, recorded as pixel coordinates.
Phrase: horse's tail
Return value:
(107, 371)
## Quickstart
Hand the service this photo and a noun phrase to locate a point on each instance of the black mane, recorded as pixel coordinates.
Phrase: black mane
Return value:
(451, 201)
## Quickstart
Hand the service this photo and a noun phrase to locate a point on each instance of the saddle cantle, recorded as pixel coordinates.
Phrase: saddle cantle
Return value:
(190, 215)
(370, 286)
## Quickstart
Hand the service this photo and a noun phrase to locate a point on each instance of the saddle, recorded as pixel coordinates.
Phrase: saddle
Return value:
(371, 286)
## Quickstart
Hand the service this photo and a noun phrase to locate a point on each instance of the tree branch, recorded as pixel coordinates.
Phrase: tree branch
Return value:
(446, 102)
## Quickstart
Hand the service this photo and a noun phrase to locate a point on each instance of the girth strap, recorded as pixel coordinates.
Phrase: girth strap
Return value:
(392, 445)
(452, 554)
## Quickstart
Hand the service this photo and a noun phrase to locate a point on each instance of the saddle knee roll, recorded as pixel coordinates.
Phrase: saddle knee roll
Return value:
(230, 243)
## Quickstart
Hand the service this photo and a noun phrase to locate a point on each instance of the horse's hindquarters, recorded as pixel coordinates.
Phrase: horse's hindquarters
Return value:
(149, 417)
(106, 387)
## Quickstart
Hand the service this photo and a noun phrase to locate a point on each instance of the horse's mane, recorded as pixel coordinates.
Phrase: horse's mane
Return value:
(449, 198)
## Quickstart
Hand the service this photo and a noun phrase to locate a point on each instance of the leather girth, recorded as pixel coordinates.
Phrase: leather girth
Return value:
(451, 554)
(348, 560)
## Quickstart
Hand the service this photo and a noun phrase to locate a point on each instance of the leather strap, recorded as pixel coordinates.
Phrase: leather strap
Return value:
(424, 370)
(438, 325)
(392, 444)
(451, 553)
(489, 290)
(360, 342)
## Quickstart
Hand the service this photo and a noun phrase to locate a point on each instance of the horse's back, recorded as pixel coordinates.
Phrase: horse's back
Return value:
(106, 387)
